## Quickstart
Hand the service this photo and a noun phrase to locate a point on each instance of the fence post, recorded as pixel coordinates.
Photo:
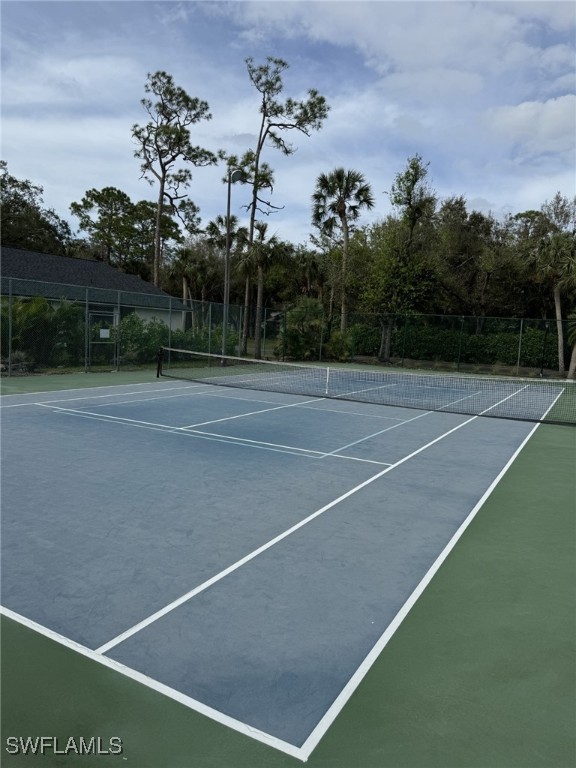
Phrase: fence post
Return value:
(406, 321)
(322, 324)
(544, 349)
(520, 346)
(86, 332)
(10, 326)
(210, 328)
(240, 327)
(460, 343)
(116, 332)
(170, 310)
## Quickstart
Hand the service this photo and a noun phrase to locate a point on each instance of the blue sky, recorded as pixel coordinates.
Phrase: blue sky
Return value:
(483, 91)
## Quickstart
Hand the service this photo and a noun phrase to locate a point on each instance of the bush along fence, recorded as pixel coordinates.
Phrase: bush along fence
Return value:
(512, 346)
(75, 328)
(49, 327)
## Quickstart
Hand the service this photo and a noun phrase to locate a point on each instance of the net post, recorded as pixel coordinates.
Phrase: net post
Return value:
(327, 380)
(159, 362)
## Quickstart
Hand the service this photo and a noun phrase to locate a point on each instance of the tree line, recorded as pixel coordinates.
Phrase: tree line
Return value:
(427, 256)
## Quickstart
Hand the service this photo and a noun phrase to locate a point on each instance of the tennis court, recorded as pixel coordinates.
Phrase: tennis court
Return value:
(250, 551)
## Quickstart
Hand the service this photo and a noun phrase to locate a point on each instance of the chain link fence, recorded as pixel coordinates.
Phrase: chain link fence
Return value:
(510, 346)
(50, 327)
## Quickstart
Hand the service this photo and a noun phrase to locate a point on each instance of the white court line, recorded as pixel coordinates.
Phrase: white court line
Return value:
(514, 395)
(98, 397)
(357, 458)
(166, 428)
(106, 417)
(375, 434)
(234, 380)
(244, 442)
(157, 399)
(247, 558)
(278, 447)
(78, 389)
(453, 402)
(399, 384)
(301, 753)
(393, 427)
(343, 697)
(330, 715)
(250, 413)
(155, 685)
(356, 413)
(287, 448)
(403, 405)
(247, 441)
(228, 439)
(368, 389)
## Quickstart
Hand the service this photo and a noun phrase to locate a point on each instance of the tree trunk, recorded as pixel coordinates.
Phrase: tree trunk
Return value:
(382, 344)
(157, 235)
(185, 291)
(259, 303)
(572, 367)
(385, 342)
(246, 319)
(558, 307)
(344, 304)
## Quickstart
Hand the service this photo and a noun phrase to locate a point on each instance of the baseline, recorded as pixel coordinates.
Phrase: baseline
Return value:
(155, 685)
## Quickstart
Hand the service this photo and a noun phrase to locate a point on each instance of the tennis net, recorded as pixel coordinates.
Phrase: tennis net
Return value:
(538, 400)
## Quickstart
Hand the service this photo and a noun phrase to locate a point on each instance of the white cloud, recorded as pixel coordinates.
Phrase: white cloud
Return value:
(535, 129)
(392, 35)
(481, 90)
(57, 82)
(559, 15)
(433, 87)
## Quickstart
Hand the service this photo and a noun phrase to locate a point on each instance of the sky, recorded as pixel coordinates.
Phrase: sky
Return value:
(483, 91)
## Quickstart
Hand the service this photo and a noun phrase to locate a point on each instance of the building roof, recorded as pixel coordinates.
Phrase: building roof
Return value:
(43, 274)
(32, 265)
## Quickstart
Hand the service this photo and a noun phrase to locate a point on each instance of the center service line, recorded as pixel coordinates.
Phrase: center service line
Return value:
(247, 558)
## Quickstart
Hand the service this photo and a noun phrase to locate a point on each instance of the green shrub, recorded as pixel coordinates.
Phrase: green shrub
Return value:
(301, 337)
(139, 340)
(340, 346)
(365, 339)
(34, 329)
(69, 342)
(450, 345)
(205, 339)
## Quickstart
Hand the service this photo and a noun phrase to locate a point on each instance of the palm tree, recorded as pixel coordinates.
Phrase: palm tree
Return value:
(308, 272)
(199, 269)
(337, 201)
(216, 231)
(572, 342)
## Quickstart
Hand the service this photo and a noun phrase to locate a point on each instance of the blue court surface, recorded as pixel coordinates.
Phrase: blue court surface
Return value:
(248, 554)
